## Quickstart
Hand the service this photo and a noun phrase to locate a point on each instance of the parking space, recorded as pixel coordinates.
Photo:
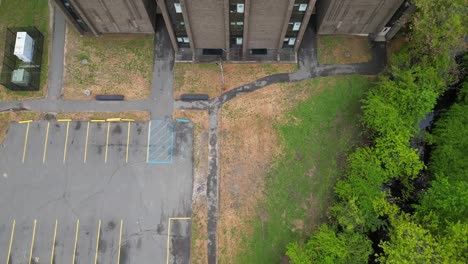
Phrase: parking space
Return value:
(89, 192)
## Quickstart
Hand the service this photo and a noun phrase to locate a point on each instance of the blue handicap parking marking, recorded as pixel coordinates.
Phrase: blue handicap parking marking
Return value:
(161, 142)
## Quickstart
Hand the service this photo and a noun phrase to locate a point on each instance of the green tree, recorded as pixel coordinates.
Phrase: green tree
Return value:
(438, 26)
(412, 243)
(444, 203)
(330, 247)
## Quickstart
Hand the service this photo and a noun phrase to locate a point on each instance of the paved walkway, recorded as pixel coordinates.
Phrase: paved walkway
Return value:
(161, 103)
(55, 80)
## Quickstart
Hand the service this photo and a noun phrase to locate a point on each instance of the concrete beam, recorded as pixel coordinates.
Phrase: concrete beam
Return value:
(187, 26)
(287, 18)
(227, 32)
(245, 37)
(167, 21)
(305, 23)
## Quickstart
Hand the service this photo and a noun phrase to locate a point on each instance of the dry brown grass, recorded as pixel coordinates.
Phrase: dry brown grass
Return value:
(343, 49)
(199, 206)
(248, 144)
(7, 117)
(140, 116)
(206, 78)
(117, 64)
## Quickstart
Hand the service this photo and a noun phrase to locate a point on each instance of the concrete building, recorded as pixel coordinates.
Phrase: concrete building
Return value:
(252, 30)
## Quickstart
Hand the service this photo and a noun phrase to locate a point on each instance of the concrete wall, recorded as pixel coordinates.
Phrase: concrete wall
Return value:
(266, 21)
(354, 16)
(206, 18)
(117, 16)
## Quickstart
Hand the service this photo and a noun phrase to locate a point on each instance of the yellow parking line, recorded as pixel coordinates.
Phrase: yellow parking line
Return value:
(53, 243)
(116, 119)
(11, 240)
(120, 241)
(45, 143)
(97, 242)
(180, 218)
(32, 241)
(98, 120)
(86, 144)
(25, 142)
(128, 142)
(64, 120)
(169, 233)
(24, 121)
(147, 148)
(127, 120)
(107, 142)
(76, 240)
(66, 143)
(168, 239)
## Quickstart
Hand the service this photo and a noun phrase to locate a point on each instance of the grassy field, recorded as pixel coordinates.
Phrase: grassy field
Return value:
(314, 139)
(19, 13)
(116, 64)
(343, 49)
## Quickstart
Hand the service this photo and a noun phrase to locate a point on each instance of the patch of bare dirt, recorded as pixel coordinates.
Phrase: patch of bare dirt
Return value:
(199, 206)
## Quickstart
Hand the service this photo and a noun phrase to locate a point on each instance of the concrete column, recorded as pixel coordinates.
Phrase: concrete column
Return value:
(245, 37)
(187, 26)
(305, 22)
(227, 32)
(287, 18)
(167, 21)
(77, 7)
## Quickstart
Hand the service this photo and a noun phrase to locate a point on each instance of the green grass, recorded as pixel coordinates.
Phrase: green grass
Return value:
(321, 130)
(19, 13)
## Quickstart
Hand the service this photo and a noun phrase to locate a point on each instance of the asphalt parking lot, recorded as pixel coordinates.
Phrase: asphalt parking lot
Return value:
(96, 192)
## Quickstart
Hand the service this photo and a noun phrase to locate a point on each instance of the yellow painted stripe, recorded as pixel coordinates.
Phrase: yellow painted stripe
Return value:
(180, 218)
(32, 241)
(98, 120)
(45, 142)
(128, 142)
(168, 240)
(64, 120)
(107, 142)
(127, 120)
(25, 142)
(53, 243)
(76, 240)
(120, 241)
(115, 119)
(86, 144)
(66, 143)
(25, 121)
(12, 235)
(97, 242)
(147, 148)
